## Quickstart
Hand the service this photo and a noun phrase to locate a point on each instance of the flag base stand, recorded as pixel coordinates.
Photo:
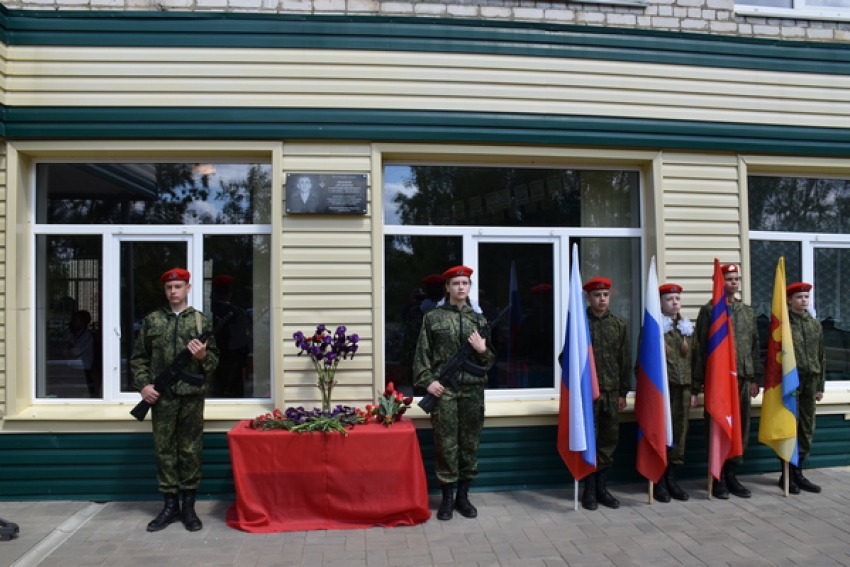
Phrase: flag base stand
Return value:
(710, 485)
(649, 499)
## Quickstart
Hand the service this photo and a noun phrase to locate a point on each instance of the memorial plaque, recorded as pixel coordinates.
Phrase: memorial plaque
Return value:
(326, 193)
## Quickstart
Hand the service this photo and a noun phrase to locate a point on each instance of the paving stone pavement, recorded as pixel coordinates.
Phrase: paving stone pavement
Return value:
(529, 528)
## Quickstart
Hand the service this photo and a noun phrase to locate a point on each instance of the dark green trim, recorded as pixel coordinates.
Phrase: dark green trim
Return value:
(116, 466)
(409, 125)
(449, 35)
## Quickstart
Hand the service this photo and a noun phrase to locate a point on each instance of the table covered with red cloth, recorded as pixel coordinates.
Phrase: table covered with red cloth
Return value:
(324, 481)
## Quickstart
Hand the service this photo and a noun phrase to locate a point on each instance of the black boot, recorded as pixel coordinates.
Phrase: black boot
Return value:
(673, 487)
(191, 521)
(801, 481)
(444, 512)
(792, 486)
(718, 488)
(732, 483)
(170, 513)
(588, 497)
(602, 495)
(659, 490)
(462, 503)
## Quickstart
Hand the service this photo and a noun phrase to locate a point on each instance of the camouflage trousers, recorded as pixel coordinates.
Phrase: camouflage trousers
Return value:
(680, 406)
(606, 419)
(457, 420)
(805, 414)
(745, 406)
(178, 440)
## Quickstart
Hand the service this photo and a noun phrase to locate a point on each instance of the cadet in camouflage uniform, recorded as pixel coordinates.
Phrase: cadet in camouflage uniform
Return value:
(178, 424)
(613, 358)
(807, 334)
(679, 343)
(750, 372)
(458, 417)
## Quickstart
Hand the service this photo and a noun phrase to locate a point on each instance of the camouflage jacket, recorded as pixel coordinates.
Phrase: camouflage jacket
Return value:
(445, 331)
(746, 335)
(679, 370)
(612, 352)
(807, 334)
(163, 336)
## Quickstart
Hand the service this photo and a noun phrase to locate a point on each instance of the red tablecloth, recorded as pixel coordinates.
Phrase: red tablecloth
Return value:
(315, 481)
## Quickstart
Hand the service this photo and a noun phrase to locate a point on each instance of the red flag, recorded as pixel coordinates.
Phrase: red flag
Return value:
(721, 381)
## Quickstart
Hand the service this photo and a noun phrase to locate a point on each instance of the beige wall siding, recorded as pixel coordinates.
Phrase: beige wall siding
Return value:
(144, 77)
(328, 278)
(702, 220)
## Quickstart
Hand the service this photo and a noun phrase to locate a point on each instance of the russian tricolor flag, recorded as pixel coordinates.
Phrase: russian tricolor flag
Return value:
(579, 387)
(652, 397)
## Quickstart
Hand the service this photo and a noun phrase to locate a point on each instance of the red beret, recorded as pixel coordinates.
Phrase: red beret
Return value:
(542, 288)
(433, 279)
(597, 283)
(457, 271)
(729, 268)
(669, 288)
(798, 288)
(222, 281)
(175, 274)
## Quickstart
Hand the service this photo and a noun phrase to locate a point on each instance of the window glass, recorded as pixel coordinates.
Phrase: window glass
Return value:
(799, 204)
(153, 193)
(510, 197)
(69, 314)
(413, 287)
(832, 304)
(229, 262)
(233, 266)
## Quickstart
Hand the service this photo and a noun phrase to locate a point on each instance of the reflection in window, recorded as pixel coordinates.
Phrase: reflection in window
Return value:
(69, 315)
(524, 341)
(799, 204)
(413, 266)
(832, 302)
(153, 193)
(70, 273)
(492, 196)
(232, 267)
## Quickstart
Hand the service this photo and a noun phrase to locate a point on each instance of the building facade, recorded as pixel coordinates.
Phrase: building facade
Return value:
(138, 137)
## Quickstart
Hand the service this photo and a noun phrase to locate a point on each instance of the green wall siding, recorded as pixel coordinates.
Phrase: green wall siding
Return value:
(411, 125)
(445, 35)
(112, 466)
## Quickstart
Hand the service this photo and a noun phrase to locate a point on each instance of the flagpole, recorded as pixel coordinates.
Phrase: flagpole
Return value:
(786, 477)
(710, 484)
(649, 490)
(575, 495)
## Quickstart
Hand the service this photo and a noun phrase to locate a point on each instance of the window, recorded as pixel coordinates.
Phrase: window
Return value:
(104, 232)
(798, 9)
(514, 226)
(806, 221)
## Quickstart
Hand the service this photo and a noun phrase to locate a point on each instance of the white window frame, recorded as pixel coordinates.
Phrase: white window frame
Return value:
(112, 235)
(471, 235)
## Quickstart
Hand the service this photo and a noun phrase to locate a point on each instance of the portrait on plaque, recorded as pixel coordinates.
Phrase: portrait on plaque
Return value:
(326, 193)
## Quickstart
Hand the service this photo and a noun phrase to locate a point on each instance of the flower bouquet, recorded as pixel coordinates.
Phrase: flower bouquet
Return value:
(300, 420)
(390, 407)
(326, 350)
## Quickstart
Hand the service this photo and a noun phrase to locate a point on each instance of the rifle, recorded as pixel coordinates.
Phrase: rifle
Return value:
(461, 361)
(169, 377)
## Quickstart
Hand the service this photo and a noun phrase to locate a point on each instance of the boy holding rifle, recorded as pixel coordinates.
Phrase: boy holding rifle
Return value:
(178, 422)
(458, 416)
